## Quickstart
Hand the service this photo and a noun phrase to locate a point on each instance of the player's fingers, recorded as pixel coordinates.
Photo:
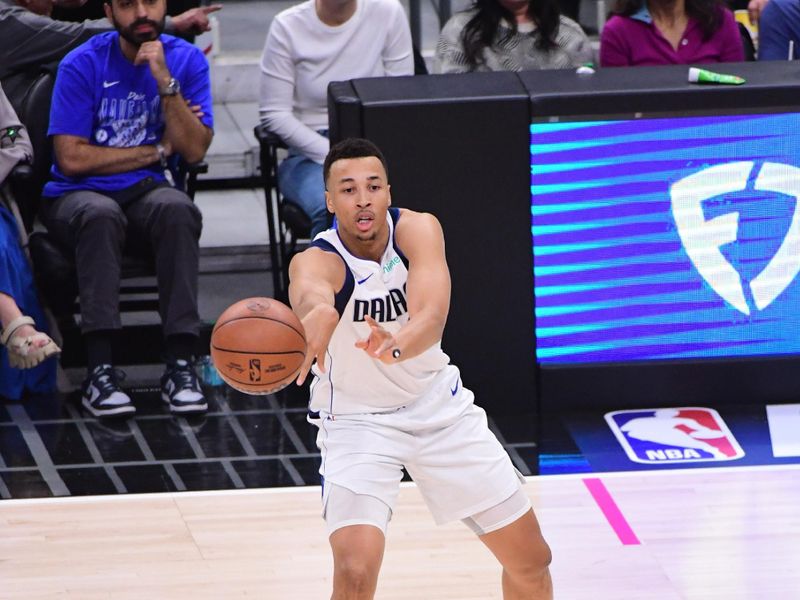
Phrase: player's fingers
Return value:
(321, 359)
(305, 368)
(372, 323)
(211, 8)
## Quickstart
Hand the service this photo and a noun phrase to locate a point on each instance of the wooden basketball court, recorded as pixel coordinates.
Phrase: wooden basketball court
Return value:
(681, 534)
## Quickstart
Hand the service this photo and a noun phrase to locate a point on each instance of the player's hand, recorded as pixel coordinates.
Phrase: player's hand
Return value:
(379, 343)
(152, 53)
(195, 20)
(319, 324)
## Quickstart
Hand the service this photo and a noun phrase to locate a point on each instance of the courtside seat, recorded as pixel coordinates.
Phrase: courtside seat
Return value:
(287, 222)
(54, 265)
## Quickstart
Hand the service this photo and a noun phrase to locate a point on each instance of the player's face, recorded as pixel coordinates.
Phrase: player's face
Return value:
(358, 194)
(137, 21)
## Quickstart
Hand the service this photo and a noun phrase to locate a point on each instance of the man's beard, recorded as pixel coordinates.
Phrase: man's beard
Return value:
(137, 39)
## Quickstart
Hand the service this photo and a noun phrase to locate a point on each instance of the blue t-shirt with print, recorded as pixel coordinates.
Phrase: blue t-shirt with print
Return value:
(102, 96)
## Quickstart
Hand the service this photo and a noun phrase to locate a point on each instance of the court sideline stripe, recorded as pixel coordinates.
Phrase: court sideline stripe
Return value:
(294, 489)
(38, 450)
(611, 511)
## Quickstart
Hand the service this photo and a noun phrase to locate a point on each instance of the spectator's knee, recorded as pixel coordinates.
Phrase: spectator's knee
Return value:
(102, 211)
(176, 209)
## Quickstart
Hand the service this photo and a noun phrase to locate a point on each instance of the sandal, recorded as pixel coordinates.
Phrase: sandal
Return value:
(27, 352)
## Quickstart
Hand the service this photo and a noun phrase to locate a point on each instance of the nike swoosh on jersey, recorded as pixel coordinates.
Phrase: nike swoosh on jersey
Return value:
(108, 84)
(360, 281)
(455, 389)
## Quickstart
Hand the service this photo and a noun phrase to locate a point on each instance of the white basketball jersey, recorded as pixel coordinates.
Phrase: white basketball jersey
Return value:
(353, 381)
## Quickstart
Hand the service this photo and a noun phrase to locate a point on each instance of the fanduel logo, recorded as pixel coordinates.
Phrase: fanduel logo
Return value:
(703, 238)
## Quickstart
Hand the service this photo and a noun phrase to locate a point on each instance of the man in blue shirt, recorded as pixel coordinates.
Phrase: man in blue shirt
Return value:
(779, 31)
(120, 110)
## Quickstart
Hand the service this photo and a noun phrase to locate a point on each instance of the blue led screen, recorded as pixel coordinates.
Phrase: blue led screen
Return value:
(666, 238)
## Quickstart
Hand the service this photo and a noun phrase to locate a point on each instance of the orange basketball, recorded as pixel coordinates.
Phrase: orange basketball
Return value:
(258, 345)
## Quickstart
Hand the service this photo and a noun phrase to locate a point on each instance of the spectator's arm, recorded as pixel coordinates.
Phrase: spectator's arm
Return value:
(31, 40)
(276, 94)
(614, 51)
(732, 47)
(13, 151)
(189, 135)
(77, 157)
(398, 55)
(193, 21)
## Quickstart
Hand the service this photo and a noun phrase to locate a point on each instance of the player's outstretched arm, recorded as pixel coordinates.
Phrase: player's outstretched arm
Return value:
(420, 237)
(314, 277)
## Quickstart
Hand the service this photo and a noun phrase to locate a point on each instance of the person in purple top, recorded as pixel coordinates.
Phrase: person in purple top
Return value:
(667, 32)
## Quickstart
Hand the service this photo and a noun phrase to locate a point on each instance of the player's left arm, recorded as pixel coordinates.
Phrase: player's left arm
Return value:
(186, 133)
(419, 236)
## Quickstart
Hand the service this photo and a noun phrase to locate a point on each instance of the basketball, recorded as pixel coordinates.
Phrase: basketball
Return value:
(258, 345)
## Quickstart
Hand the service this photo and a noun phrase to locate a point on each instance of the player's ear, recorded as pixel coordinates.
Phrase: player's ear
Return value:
(389, 192)
(107, 10)
(329, 202)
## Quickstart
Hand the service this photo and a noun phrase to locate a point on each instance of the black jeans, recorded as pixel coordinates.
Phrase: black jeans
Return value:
(163, 222)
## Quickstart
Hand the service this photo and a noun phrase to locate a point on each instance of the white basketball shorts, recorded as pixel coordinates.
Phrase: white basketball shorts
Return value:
(443, 441)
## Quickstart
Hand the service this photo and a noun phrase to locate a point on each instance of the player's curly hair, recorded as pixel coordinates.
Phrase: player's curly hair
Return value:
(352, 148)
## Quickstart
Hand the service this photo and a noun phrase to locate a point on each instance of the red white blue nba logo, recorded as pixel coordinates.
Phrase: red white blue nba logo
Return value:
(674, 435)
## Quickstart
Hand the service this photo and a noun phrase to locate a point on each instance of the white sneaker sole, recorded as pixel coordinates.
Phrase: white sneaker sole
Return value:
(117, 411)
(189, 408)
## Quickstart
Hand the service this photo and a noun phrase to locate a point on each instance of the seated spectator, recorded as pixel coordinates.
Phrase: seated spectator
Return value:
(308, 46)
(119, 111)
(29, 38)
(24, 350)
(668, 32)
(754, 8)
(511, 35)
(779, 25)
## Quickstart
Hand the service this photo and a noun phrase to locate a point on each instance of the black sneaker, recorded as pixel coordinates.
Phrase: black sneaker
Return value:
(102, 396)
(181, 389)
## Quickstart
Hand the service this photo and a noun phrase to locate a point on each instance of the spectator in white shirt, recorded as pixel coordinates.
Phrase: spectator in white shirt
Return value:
(308, 46)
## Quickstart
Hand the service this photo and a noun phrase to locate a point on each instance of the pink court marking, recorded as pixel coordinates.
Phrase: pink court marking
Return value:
(611, 511)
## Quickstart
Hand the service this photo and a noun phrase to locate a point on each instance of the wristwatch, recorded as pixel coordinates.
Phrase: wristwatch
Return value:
(172, 88)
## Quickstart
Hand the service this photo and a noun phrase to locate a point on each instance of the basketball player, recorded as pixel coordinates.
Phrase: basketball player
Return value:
(373, 294)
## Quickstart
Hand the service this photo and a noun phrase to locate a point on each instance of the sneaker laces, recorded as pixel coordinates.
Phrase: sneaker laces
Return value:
(107, 379)
(182, 373)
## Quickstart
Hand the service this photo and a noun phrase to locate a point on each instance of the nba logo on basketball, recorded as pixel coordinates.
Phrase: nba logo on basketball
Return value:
(255, 369)
(674, 435)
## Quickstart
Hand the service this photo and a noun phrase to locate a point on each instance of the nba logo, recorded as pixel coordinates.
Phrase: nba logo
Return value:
(255, 369)
(674, 435)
